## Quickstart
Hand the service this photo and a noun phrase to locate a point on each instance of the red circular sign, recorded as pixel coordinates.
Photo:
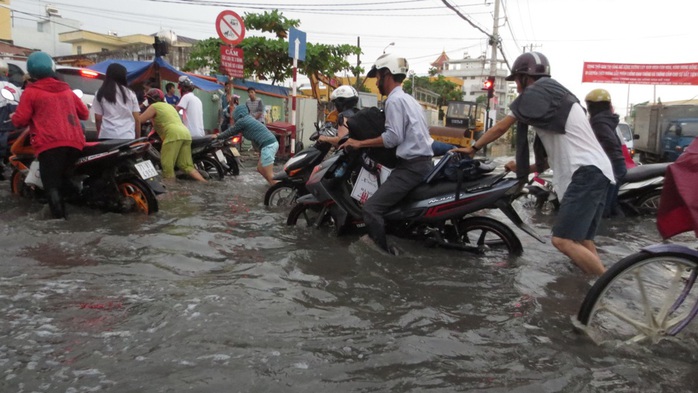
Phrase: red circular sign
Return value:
(230, 27)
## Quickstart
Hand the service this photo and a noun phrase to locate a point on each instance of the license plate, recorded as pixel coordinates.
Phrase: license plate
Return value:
(220, 156)
(146, 169)
(235, 152)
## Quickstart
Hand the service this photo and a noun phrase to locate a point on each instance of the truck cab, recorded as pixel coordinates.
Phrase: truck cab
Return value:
(678, 135)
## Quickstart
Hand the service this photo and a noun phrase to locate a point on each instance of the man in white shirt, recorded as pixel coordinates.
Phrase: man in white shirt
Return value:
(565, 141)
(193, 109)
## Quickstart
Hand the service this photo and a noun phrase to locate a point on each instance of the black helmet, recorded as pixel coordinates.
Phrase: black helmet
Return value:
(530, 63)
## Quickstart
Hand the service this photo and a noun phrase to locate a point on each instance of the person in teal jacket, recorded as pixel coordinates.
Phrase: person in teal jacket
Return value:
(258, 133)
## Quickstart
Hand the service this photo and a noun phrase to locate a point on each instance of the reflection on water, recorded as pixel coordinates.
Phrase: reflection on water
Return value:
(216, 294)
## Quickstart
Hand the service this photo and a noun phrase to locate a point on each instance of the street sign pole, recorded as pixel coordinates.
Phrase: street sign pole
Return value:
(296, 44)
(296, 51)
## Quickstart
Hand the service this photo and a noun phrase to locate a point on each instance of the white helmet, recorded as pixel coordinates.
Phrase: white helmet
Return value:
(184, 81)
(344, 97)
(344, 91)
(396, 65)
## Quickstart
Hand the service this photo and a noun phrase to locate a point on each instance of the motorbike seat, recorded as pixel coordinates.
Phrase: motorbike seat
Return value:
(104, 146)
(644, 172)
(444, 187)
(200, 141)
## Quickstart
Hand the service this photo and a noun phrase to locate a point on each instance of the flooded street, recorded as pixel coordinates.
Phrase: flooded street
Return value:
(216, 294)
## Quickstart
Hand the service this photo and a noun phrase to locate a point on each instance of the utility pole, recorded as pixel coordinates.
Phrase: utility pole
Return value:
(358, 64)
(494, 41)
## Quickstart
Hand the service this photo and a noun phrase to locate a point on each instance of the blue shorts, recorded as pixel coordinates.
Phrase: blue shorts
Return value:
(268, 153)
(582, 205)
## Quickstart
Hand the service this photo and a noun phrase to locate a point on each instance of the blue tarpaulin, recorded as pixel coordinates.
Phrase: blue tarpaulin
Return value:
(140, 71)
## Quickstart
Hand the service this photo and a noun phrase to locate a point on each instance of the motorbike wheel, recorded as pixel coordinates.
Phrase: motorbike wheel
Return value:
(210, 166)
(308, 216)
(649, 203)
(17, 185)
(280, 195)
(644, 297)
(140, 193)
(490, 236)
(233, 164)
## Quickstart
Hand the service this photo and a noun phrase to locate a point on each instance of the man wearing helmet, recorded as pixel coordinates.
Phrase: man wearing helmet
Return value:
(565, 141)
(53, 113)
(407, 130)
(193, 109)
(604, 122)
(344, 99)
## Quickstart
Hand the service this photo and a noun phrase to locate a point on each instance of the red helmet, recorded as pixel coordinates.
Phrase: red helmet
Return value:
(156, 95)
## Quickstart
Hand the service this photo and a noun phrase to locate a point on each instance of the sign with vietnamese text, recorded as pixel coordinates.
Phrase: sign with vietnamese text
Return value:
(231, 61)
(641, 74)
(230, 27)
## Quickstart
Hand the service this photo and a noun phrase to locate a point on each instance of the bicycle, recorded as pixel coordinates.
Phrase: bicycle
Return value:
(652, 295)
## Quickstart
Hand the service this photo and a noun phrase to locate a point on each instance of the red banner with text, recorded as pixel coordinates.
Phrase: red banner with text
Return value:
(641, 74)
(231, 61)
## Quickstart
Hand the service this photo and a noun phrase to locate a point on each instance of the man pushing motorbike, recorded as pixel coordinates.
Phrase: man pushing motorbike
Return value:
(565, 141)
(406, 129)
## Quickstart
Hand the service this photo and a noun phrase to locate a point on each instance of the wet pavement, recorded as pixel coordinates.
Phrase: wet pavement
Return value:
(216, 294)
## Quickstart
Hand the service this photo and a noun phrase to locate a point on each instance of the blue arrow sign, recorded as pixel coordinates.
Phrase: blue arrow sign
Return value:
(296, 38)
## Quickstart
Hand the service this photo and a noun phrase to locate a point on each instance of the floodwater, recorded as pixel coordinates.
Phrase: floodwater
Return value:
(216, 294)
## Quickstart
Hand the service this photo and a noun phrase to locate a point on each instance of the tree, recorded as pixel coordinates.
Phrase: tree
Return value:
(447, 90)
(267, 58)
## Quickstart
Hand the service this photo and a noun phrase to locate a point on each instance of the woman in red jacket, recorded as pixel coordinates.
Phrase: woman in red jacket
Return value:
(53, 113)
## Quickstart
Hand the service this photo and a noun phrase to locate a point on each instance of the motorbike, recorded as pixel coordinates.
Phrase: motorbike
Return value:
(438, 211)
(112, 175)
(297, 170)
(207, 154)
(638, 194)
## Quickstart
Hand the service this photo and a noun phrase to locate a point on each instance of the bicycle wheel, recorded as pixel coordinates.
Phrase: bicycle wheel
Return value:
(490, 236)
(644, 297)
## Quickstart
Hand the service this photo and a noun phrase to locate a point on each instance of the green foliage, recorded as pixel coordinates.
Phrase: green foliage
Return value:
(267, 58)
(447, 90)
(327, 59)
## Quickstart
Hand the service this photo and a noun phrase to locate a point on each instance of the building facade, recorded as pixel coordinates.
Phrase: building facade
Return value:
(473, 72)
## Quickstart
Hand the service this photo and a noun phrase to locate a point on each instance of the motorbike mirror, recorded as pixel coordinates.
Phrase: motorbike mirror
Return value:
(78, 93)
(7, 94)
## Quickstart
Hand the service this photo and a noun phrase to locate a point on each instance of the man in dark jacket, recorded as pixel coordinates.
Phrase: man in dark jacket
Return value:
(604, 122)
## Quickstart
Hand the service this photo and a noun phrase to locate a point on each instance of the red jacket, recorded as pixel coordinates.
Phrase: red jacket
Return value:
(53, 113)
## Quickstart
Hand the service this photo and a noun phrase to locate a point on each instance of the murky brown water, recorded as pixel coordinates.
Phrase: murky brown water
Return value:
(216, 294)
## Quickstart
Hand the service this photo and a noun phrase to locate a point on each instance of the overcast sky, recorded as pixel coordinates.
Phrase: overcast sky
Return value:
(568, 32)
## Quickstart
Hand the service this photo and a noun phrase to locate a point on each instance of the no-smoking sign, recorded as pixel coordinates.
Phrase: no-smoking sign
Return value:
(230, 27)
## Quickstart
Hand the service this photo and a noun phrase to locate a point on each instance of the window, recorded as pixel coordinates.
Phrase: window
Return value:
(79, 48)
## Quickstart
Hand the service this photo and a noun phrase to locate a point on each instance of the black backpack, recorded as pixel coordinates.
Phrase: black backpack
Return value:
(369, 123)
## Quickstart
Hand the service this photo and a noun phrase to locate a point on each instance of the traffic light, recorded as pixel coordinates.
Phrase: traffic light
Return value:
(488, 85)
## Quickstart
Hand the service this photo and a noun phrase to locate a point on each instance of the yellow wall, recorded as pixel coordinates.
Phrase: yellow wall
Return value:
(5, 22)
